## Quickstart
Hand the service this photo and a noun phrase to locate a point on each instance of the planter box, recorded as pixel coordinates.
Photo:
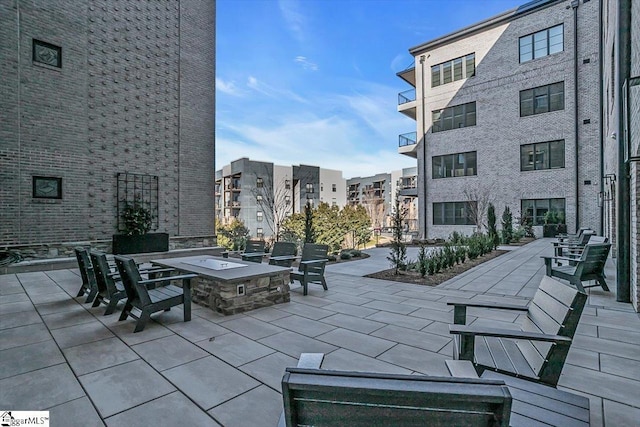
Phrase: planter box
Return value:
(150, 242)
(552, 230)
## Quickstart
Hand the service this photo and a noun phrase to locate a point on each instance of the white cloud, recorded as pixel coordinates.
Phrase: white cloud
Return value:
(293, 17)
(228, 87)
(305, 63)
(272, 91)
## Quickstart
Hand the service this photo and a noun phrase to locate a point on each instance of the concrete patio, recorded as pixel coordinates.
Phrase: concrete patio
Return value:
(59, 354)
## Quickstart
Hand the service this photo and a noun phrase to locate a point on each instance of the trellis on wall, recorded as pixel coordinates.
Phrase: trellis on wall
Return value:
(138, 189)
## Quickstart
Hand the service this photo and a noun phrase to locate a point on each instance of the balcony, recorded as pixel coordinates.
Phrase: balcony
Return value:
(407, 103)
(408, 75)
(407, 144)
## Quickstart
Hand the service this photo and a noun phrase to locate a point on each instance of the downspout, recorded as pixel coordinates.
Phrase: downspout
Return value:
(574, 5)
(424, 150)
(623, 288)
(19, 120)
(600, 126)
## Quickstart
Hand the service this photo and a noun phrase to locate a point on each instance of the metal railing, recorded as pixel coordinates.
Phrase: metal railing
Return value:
(406, 96)
(407, 139)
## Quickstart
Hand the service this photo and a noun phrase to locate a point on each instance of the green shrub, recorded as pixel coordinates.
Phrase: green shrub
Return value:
(345, 255)
(422, 261)
(356, 253)
(332, 258)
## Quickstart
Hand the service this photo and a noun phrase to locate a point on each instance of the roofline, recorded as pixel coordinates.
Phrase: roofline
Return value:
(507, 16)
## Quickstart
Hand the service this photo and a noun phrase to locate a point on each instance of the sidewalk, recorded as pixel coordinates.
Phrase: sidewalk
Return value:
(58, 354)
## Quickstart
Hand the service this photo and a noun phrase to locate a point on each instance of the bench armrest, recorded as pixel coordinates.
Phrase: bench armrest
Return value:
(507, 333)
(314, 261)
(284, 257)
(562, 258)
(486, 304)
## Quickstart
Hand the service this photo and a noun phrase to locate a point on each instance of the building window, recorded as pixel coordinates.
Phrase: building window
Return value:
(451, 71)
(45, 187)
(542, 43)
(46, 53)
(287, 184)
(543, 155)
(259, 216)
(455, 117)
(259, 183)
(542, 99)
(534, 210)
(450, 165)
(259, 232)
(287, 200)
(309, 188)
(454, 213)
(334, 188)
(259, 198)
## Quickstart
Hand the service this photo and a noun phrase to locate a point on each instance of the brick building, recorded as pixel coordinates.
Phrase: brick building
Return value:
(500, 118)
(103, 103)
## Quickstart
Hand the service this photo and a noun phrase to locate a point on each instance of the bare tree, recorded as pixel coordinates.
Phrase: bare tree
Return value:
(375, 206)
(274, 198)
(479, 199)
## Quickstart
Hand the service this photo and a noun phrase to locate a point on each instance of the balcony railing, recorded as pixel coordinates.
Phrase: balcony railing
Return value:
(406, 96)
(407, 139)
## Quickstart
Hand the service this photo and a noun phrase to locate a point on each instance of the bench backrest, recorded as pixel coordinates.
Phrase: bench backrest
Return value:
(284, 249)
(312, 252)
(130, 277)
(323, 397)
(85, 267)
(254, 246)
(592, 260)
(555, 310)
(102, 271)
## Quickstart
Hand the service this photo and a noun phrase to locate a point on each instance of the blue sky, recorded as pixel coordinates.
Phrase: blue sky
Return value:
(314, 81)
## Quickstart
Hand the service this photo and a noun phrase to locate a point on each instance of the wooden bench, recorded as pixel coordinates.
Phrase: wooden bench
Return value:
(590, 266)
(538, 349)
(149, 301)
(311, 268)
(283, 254)
(533, 404)
(313, 396)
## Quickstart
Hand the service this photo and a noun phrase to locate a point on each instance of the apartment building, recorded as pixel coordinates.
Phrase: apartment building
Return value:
(262, 194)
(377, 194)
(507, 111)
(105, 103)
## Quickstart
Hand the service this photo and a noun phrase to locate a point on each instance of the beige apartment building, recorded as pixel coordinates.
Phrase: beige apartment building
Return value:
(507, 111)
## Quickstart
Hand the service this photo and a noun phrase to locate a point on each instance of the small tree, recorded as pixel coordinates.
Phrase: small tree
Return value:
(233, 235)
(491, 225)
(398, 255)
(507, 226)
(309, 232)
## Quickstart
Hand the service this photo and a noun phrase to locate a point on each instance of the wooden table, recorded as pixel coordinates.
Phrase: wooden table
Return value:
(230, 285)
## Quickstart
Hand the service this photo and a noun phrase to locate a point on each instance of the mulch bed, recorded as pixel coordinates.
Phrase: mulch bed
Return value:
(436, 279)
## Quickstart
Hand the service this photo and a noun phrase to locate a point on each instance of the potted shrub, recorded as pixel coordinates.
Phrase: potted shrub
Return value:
(553, 224)
(136, 239)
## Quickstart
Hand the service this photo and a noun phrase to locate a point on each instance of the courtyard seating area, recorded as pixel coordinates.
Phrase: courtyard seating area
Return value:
(60, 354)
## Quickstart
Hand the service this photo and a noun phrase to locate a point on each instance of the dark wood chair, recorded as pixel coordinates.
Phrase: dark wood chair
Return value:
(110, 291)
(333, 398)
(89, 285)
(283, 254)
(590, 266)
(253, 251)
(538, 350)
(311, 268)
(571, 245)
(149, 301)
(566, 237)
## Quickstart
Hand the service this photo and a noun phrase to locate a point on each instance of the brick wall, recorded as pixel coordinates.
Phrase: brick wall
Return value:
(134, 94)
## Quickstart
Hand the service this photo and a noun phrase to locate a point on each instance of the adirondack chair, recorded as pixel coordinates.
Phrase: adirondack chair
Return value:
(110, 291)
(149, 301)
(590, 266)
(332, 398)
(311, 268)
(283, 254)
(89, 285)
(560, 246)
(567, 237)
(538, 350)
(576, 251)
(253, 251)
